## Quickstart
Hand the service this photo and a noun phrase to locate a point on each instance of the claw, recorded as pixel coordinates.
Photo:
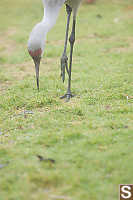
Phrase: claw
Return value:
(67, 96)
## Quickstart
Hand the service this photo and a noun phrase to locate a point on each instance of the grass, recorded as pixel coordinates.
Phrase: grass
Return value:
(90, 138)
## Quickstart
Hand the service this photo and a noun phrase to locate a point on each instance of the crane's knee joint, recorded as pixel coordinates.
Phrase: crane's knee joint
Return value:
(68, 9)
(64, 58)
(72, 38)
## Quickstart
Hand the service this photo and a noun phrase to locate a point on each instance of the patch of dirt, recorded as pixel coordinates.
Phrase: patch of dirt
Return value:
(20, 71)
(129, 8)
(7, 45)
(11, 31)
(56, 42)
(4, 85)
(124, 49)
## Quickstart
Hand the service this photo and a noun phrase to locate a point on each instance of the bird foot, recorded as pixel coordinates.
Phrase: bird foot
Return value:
(67, 96)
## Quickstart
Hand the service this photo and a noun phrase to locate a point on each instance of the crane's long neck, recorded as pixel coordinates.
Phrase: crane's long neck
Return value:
(50, 16)
(39, 32)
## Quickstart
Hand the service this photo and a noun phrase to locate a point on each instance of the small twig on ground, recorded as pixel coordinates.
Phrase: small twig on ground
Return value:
(41, 158)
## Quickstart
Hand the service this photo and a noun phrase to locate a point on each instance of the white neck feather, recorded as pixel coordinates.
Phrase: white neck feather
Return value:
(51, 12)
(39, 32)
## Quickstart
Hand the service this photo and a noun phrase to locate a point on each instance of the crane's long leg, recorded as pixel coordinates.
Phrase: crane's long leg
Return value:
(68, 95)
(64, 58)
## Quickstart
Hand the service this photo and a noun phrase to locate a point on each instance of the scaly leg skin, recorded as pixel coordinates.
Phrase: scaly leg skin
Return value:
(69, 95)
(64, 66)
(64, 58)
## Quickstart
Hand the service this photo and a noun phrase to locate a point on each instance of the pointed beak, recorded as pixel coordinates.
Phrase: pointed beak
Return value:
(37, 64)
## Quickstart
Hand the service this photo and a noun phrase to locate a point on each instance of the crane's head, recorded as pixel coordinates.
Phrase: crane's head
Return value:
(36, 45)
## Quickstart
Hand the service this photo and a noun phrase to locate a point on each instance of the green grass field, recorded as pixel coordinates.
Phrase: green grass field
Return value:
(91, 137)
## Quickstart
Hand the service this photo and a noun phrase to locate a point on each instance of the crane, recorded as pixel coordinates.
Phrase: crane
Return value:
(37, 38)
